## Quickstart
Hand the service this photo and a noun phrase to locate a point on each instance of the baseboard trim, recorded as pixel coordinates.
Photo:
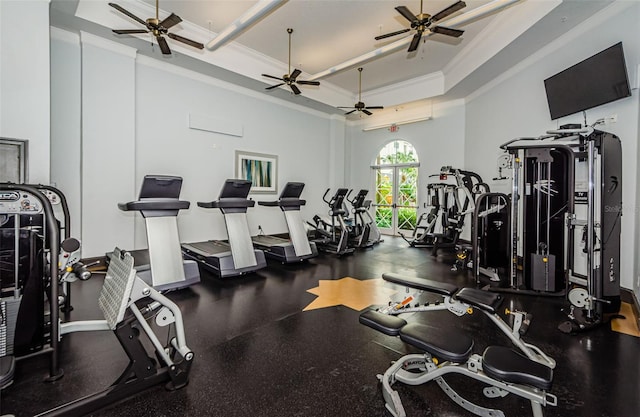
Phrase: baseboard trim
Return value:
(629, 296)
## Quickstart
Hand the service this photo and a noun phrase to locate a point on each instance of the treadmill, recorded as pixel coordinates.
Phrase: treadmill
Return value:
(159, 203)
(297, 248)
(236, 256)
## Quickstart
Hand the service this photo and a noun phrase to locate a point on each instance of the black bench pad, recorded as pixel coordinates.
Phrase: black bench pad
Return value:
(445, 344)
(424, 284)
(507, 365)
(483, 300)
(389, 325)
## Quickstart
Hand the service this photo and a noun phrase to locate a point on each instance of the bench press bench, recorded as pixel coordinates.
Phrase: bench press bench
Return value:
(448, 351)
(464, 301)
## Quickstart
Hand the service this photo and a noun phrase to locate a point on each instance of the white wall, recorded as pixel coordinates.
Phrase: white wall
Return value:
(515, 106)
(129, 116)
(24, 80)
(165, 144)
(438, 142)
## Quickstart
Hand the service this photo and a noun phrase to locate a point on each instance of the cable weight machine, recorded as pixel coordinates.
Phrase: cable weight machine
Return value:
(565, 221)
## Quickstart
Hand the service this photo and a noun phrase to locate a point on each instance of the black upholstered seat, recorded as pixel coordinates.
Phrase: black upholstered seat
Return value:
(424, 284)
(445, 344)
(483, 300)
(389, 325)
(507, 365)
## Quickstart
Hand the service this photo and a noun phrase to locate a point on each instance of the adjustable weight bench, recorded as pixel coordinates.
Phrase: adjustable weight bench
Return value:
(449, 351)
(464, 301)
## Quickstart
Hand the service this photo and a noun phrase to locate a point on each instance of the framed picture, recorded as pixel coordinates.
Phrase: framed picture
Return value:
(260, 169)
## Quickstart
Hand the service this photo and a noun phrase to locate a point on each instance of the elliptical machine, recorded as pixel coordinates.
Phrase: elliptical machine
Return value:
(364, 231)
(333, 237)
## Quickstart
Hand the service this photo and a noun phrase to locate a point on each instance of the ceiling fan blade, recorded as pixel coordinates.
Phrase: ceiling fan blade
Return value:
(456, 33)
(375, 107)
(186, 40)
(295, 74)
(129, 31)
(415, 42)
(397, 32)
(164, 47)
(170, 21)
(406, 13)
(271, 76)
(448, 11)
(349, 112)
(367, 112)
(274, 86)
(128, 13)
(308, 82)
(295, 89)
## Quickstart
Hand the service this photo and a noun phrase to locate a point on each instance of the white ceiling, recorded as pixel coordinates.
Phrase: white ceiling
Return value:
(330, 32)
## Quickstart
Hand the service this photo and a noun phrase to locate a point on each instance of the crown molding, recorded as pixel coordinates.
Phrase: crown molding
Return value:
(87, 38)
(64, 35)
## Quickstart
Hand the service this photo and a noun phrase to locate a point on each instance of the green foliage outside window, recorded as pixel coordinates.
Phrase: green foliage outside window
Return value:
(398, 152)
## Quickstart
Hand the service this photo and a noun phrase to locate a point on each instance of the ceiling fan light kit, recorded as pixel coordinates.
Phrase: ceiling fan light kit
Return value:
(157, 28)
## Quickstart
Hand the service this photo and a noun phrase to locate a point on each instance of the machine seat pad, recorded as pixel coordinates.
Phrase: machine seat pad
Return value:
(389, 325)
(507, 365)
(423, 284)
(484, 300)
(445, 344)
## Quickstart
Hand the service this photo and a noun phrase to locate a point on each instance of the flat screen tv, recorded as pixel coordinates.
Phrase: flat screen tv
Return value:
(597, 80)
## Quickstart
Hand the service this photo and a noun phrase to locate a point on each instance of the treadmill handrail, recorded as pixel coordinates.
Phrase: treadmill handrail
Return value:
(155, 204)
(228, 203)
(284, 202)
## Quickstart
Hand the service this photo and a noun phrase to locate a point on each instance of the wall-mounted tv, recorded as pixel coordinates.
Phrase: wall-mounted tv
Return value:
(597, 80)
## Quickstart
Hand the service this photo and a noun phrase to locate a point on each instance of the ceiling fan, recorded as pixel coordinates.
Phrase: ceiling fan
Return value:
(291, 78)
(157, 28)
(423, 21)
(360, 106)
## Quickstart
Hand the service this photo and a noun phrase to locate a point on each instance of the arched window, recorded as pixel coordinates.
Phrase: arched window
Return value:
(396, 197)
(397, 152)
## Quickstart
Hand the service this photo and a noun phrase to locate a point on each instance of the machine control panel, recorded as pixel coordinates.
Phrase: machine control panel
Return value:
(54, 198)
(19, 202)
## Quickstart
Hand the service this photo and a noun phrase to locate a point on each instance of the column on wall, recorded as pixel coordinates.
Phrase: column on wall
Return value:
(108, 144)
(66, 113)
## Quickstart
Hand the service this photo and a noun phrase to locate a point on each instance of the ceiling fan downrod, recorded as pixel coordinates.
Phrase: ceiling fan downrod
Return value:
(289, 31)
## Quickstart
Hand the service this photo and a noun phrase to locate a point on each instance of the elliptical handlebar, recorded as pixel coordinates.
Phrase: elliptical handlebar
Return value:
(324, 196)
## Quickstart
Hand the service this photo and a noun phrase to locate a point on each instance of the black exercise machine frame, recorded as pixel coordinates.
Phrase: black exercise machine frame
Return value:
(53, 241)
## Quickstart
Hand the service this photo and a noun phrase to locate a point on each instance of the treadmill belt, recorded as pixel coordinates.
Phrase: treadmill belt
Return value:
(210, 247)
(267, 240)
